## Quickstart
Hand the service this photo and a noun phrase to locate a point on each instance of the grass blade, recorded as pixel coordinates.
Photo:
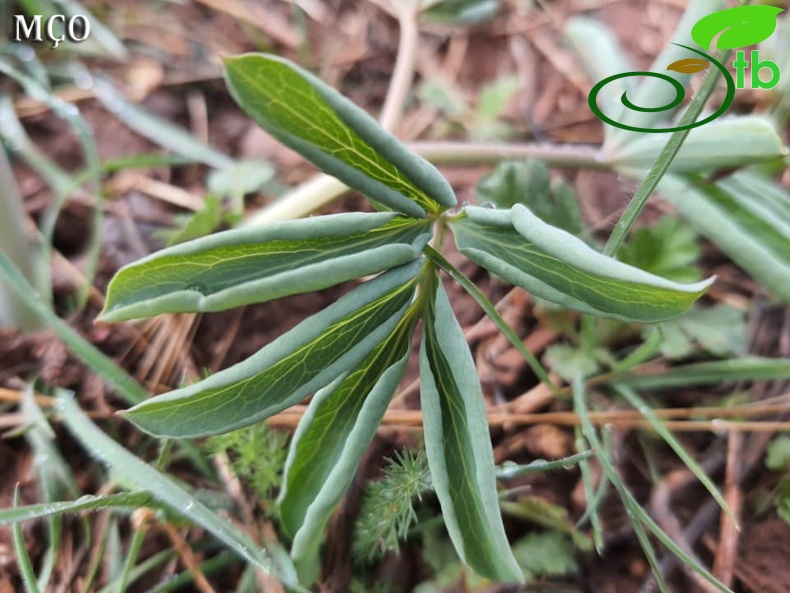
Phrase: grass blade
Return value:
(639, 517)
(22, 557)
(164, 489)
(158, 130)
(111, 373)
(750, 368)
(15, 245)
(638, 403)
(85, 503)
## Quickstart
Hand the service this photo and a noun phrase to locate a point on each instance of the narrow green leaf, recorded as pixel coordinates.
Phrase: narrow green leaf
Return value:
(289, 369)
(309, 116)
(460, 12)
(751, 368)
(22, 557)
(102, 36)
(633, 398)
(156, 129)
(255, 265)
(602, 56)
(331, 439)
(84, 503)
(746, 216)
(458, 445)
(639, 517)
(112, 374)
(555, 265)
(708, 148)
(164, 489)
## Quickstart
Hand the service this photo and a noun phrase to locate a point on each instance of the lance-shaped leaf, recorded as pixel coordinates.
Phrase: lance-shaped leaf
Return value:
(283, 373)
(309, 116)
(458, 445)
(255, 265)
(746, 216)
(708, 148)
(556, 266)
(330, 440)
(131, 500)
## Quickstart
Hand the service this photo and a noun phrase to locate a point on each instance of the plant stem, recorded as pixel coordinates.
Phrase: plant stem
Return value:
(129, 389)
(403, 74)
(490, 310)
(576, 156)
(17, 246)
(663, 162)
(321, 190)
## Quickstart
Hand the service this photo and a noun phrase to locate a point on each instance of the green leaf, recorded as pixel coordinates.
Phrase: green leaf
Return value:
(568, 361)
(746, 216)
(749, 368)
(156, 129)
(633, 398)
(558, 267)
(546, 554)
(667, 248)
(783, 499)
(23, 559)
(529, 183)
(331, 439)
(492, 101)
(719, 330)
(708, 148)
(164, 489)
(777, 457)
(286, 371)
(239, 178)
(85, 503)
(458, 445)
(307, 115)
(198, 224)
(739, 27)
(254, 265)
(461, 12)
(516, 182)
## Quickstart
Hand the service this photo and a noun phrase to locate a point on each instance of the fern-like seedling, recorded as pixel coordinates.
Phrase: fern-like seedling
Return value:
(257, 455)
(387, 511)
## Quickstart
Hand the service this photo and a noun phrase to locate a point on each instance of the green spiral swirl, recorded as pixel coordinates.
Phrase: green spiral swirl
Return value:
(681, 92)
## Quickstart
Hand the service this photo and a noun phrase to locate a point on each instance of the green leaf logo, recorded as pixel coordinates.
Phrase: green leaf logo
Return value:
(688, 65)
(739, 26)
